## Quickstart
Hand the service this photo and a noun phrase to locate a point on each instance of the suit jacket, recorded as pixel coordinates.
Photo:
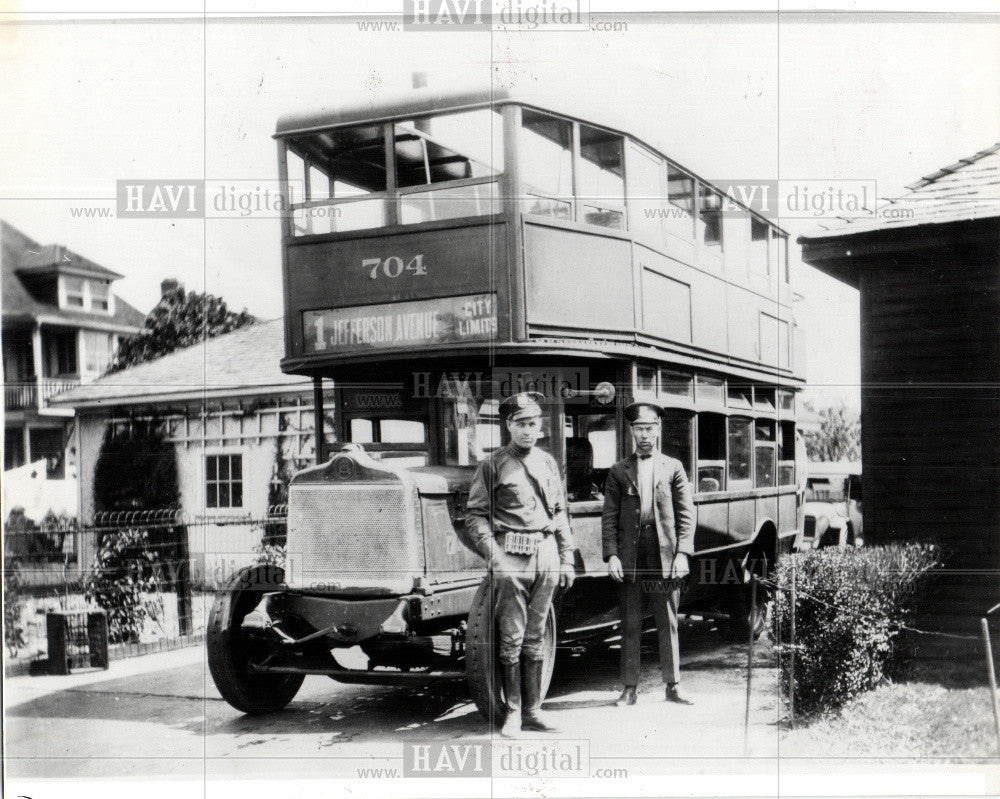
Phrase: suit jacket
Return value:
(672, 505)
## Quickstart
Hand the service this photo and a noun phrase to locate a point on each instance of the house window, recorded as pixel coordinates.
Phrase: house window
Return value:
(97, 348)
(74, 288)
(99, 296)
(59, 348)
(224, 481)
(13, 448)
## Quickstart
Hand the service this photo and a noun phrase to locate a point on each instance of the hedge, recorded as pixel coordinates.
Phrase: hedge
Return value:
(850, 605)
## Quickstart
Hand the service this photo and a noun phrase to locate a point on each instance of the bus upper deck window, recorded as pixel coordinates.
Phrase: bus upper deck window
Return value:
(680, 197)
(780, 255)
(709, 216)
(466, 146)
(647, 187)
(757, 257)
(545, 150)
(602, 185)
(334, 177)
(448, 147)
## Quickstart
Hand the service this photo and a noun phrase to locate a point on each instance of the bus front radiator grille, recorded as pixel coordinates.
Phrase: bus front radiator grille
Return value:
(346, 536)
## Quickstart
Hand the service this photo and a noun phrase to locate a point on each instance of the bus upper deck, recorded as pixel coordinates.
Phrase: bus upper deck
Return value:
(479, 222)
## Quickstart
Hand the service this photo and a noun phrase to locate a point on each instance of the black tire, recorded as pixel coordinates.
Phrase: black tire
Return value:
(229, 655)
(744, 614)
(482, 654)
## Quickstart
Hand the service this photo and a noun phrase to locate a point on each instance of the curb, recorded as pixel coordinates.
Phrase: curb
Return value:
(36, 665)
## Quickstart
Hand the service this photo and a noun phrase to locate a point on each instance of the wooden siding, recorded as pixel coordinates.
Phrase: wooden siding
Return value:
(930, 399)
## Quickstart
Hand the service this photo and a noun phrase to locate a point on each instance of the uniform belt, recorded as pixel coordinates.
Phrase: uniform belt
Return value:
(538, 534)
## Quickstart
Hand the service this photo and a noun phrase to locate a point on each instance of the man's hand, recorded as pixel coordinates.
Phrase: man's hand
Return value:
(567, 574)
(681, 566)
(501, 566)
(615, 569)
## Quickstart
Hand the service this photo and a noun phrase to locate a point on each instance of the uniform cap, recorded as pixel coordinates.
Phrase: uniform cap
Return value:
(643, 412)
(525, 405)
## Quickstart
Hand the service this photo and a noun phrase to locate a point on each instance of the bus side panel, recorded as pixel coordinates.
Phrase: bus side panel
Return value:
(742, 520)
(587, 535)
(787, 508)
(713, 526)
(767, 510)
(578, 280)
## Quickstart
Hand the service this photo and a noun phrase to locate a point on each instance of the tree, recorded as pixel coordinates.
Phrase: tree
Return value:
(180, 319)
(837, 437)
(136, 470)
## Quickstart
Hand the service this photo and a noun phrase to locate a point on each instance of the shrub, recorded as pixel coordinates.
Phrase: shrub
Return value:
(269, 555)
(122, 574)
(13, 629)
(849, 608)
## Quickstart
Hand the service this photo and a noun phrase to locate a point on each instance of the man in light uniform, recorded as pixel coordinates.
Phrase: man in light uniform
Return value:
(648, 534)
(517, 520)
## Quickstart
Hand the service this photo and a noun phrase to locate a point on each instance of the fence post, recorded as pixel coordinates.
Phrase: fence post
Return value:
(791, 649)
(753, 616)
(992, 675)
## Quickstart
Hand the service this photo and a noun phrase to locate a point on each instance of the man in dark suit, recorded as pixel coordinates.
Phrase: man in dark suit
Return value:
(648, 535)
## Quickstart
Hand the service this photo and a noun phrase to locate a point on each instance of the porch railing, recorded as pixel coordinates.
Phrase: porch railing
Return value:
(35, 394)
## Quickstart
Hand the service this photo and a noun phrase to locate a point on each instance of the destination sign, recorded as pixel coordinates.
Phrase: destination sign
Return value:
(443, 320)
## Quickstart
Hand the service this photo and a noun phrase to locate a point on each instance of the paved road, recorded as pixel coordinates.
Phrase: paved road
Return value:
(161, 716)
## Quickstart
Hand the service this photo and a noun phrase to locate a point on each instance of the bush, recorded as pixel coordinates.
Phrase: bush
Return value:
(122, 574)
(13, 607)
(849, 608)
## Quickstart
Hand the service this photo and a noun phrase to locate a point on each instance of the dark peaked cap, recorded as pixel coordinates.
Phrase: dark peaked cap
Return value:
(524, 405)
(640, 411)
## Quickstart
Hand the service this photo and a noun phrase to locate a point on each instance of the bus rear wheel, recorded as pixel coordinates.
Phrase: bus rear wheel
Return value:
(746, 615)
(482, 655)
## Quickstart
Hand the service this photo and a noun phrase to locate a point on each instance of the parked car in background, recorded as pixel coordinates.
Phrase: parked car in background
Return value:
(832, 510)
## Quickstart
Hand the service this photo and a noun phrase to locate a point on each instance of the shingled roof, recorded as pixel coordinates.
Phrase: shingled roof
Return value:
(968, 189)
(22, 256)
(235, 364)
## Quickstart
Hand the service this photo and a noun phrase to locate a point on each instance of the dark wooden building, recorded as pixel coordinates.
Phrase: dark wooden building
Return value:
(928, 272)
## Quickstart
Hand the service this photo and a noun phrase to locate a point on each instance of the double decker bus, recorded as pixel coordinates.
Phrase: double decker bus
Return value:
(441, 253)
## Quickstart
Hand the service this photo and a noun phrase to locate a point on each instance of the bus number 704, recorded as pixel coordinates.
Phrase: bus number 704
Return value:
(393, 266)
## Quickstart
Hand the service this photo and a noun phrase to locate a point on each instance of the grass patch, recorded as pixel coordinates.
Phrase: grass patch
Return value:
(937, 712)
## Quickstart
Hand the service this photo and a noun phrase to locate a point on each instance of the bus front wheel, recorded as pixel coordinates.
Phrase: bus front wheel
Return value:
(231, 652)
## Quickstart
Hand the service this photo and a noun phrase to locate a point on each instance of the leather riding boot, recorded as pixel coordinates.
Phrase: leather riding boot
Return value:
(628, 697)
(531, 716)
(512, 690)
